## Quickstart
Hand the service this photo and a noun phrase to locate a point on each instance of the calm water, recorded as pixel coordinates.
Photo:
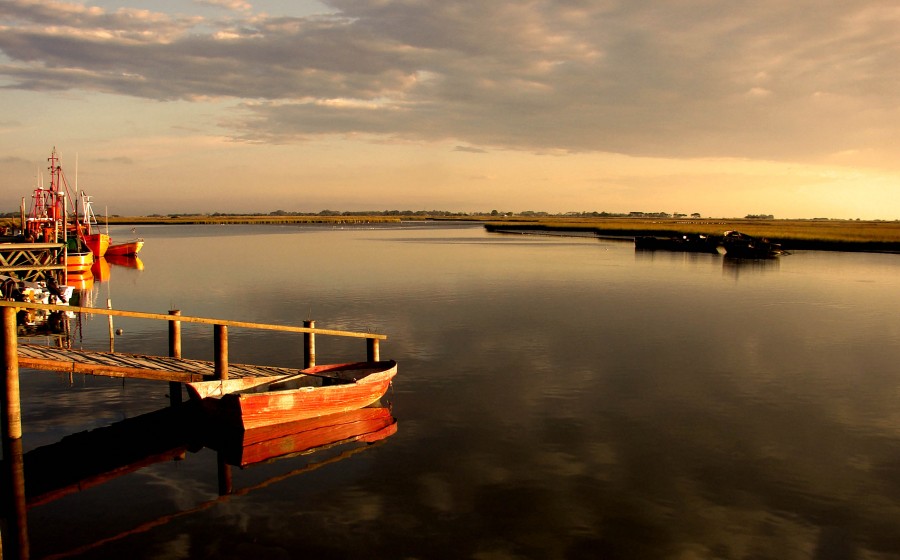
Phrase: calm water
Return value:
(556, 398)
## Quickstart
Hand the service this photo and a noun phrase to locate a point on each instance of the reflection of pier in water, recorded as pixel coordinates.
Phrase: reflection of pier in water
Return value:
(97, 456)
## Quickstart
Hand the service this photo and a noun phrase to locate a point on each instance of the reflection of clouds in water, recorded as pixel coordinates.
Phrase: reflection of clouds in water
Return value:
(436, 493)
(555, 406)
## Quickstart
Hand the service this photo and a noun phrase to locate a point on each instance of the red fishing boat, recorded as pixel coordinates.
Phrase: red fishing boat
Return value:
(87, 227)
(254, 402)
(127, 249)
(49, 220)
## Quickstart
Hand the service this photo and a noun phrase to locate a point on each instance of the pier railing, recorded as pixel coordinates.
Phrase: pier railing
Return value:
(220, 329)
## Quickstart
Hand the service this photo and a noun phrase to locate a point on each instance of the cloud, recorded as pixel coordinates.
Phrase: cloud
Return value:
(761, 80)
(235, 5)
(469, 149)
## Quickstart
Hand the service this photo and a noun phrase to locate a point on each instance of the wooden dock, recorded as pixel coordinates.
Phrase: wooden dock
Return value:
(32, 261)
(172, 368)
(166, 442)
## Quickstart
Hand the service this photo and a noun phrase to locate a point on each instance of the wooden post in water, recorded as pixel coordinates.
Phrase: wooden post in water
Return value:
(309, 346)
(11, 433)
(112, 332)
(14, 538)
(373, 354)
(174, 352)
(221, 350)
(226, 484)
(12, 407)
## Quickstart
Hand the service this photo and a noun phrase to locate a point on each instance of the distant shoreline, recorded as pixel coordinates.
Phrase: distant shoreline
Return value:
(822, 235)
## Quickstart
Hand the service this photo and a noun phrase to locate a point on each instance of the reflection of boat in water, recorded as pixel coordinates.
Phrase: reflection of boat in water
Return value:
(100, 269)
(97, 456)
(81, 280)
(128, 261)
(261, 401)
(243, 448)
(102, 454)
(91, 458)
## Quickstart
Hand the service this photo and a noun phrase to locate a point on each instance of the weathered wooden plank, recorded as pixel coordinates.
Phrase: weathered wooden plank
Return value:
(111, 364)
(109, 371)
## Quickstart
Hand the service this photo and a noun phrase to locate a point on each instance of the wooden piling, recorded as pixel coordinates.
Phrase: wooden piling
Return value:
(14, 537)
(112, 332)
(12, 406)
(174, 352)
(221, 351)
(373, 354)
(309, 345)
(226, 482)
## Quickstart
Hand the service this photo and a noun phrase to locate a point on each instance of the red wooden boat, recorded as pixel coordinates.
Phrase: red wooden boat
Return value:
(249, 403)
(127, 249)
(244, 448)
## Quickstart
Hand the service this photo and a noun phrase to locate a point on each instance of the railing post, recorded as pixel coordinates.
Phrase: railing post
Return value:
(372, 352)
(221, 350)
(12, 405)
(174, 352)
(309, 345)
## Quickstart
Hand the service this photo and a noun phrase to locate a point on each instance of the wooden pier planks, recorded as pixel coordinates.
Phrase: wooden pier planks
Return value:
(115, 364)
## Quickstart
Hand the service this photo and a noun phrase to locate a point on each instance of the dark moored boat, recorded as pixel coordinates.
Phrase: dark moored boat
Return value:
(693, 243)
(742, 246)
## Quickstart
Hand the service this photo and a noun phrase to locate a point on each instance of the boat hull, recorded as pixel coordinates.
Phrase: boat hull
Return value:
(79, 262)
(128, 249)
(685, 243)
(98, 243)
(322, 390)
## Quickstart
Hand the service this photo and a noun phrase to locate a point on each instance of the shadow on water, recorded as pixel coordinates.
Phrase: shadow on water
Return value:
(91, 458)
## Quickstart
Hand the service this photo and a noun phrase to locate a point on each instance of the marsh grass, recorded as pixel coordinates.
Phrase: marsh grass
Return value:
(798, 233)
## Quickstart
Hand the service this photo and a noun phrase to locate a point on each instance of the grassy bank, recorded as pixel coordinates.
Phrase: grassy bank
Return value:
(835, 235)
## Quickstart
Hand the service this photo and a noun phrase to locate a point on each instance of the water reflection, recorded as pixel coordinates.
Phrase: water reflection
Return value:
(101, 455)
(735, 267)
(562, 400)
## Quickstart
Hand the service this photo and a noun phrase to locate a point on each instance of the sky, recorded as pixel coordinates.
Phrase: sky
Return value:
(681, 106)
